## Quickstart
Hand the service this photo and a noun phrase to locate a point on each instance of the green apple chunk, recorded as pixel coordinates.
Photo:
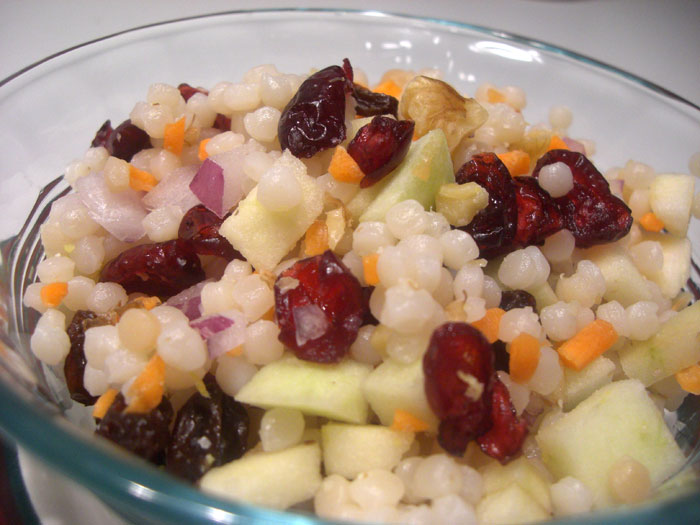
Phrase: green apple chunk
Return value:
(676, 268)
(578, 385)
(509, 506)
(674, 347)
(623, 282)
(351, 449)
(395, 386)
(522, 472)
(671, 199)
(272, 479)
(427, 166)
(618, 420)
(330, 390)
(264, 236)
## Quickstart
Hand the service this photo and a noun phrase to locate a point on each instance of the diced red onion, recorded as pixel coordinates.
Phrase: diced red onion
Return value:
(574, 145)
(119, 213)
(229, 338)
(232, 162)
(189, 301)
(209, 325)
(310, 323)
(208, 186)
(173, 190)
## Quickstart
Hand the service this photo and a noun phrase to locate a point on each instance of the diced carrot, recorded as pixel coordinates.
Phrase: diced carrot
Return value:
(146, 392)
(343, 167)
(174, 137)
(202, 151)
(591, 341)
(494, 96)
(488, 325)
(53, 293)
(556, 143)
(517, 162)
(316, 238)
(369, 267)
(524, 356)
(235, 352)
(388, 87)
(650, 222)
(689, 379)
(407, 422)
(103, 403)
(140, 180)
(149, 302)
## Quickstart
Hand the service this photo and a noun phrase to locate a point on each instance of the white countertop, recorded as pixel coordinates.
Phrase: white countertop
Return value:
(655, 40)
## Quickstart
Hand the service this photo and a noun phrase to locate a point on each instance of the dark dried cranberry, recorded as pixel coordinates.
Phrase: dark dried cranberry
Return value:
(127, 140)
(146, 435)
(369, 317)
(458, 368)
(501, 357)
(380, 146)
(494, 227)
(222, 122)
(590, 211)
(314, 119)
(370, 104)
(538, 214)
(102, 135)
(187, 91)
(506, 436)
(319, 317)
(208, 432)
(163, 269)
(517, 299)
(200, 228)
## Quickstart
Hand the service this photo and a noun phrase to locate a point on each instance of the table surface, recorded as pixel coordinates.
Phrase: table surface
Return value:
(655, 40)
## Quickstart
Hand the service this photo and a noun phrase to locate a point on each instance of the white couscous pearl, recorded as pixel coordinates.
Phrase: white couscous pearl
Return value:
(95, 158)
(76, 222)
(407, 310)
(369, 237)
(281, 428)
(242, 96)
(203, 115)
(559, 320)
(88, 254)
(105, 297)
(343, 191)
(32, 298)
(179, 379)
(559, 247)
(472, 484)
(162, 224)
(437, 475)
(354, 264)
(586, 286)
(224, 142)
(50, 342)
(406, 218)
(523, 269)
(333, 493)
(167, 95)
(642, 320)
(492, 292)
(275, 90)
(58, 268)
(560, 117)
(262, 123)
(614, 313)
(95, 381)
(254, 296)
(237, 269)
(100, 342)
(138, 330)
(515, 97)
(155, 120)
(261, 344)
(407, 348)
(637, 175)
(570, 496)
(218, 297)
(123, 365)
(639, 203)
(468, 282)
(475, 308)
(444, 293)
(279, 189)
(458, 248)
(421, 245)
(648, 257)
(556, 179)
(437, 224)
(167, 315)
(232, 373)
(217, 98)
(548, 373)
(163, 163)
(519, 394)
(517, 321)
(362, 350)
(116, 174)
(391, 266)
(376, 488)
(181, 347)
(256, 163)
(453, 509)
(406, 470)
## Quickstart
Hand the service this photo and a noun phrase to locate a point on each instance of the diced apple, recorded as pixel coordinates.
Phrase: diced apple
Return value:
(578, 385)
(427, 166)
(272, 479)
(264, 236)
(674, 347)
(393, 386)
(330, 390)
(671, 199)
(351, 449)
(521, 472)
(509, 506)
(676, 269)
(617, 420)
(544, 295)
(623, 282)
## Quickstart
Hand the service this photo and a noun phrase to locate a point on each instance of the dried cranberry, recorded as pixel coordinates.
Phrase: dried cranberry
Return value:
(538, 214)
(314, 119)
(222, 122)
(127, 140)
(380, 146)
(494, 227)
(320, 315)
(146, 435)
(187, 91)
(74, 366)
(102, 135)
(163, 269)
(458, 368)
(506, 436)
(501, 357)
(369, 317)
(208, 432)
(370, 104)
(590, 211)
(200, 228)
(517, 299)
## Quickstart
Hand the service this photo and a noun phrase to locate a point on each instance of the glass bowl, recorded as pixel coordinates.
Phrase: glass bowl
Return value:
(51, 110)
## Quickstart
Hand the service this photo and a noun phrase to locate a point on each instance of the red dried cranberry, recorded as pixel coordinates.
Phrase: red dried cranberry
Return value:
(187, 91)
(146, 435)
(370, 104)
(222, 122)
(208, 432)
(319, 317)
(458, 368)
(127, 140)
(494, 227)
(163, 269)
(501, 357)
(102, 135)
(538, 214)
(506, 436)
(380, 146)
(517, 299)
(200, 228)
(314, 119)
(590, 211)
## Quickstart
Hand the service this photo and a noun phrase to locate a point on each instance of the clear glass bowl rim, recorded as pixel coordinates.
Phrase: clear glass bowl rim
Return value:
(137, 489)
